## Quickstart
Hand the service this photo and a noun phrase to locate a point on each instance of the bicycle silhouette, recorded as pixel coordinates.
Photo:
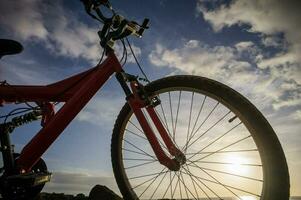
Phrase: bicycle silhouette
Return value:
(179, 137)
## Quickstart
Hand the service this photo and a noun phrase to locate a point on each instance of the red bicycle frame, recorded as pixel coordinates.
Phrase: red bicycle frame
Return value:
(76, 92)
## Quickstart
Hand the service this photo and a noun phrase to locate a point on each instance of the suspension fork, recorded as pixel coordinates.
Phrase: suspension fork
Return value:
(138, 99)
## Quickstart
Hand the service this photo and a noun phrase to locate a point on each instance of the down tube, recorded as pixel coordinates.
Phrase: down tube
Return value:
(32, 152)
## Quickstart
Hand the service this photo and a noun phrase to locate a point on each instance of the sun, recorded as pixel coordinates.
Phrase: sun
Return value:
(236, 165)
(247, 198)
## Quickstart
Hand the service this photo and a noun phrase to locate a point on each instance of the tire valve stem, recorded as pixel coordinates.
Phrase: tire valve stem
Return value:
(232, 119)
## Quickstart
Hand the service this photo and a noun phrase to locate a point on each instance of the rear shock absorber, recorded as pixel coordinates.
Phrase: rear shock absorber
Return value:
(7, 128)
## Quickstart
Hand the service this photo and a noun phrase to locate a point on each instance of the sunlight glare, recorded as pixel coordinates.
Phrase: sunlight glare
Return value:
(247, 198)
(236, 167)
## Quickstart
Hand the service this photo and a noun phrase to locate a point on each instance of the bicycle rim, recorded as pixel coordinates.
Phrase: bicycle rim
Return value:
(226, 155)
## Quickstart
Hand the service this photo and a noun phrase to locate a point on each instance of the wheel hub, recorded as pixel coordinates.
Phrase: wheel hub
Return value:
(179, 159)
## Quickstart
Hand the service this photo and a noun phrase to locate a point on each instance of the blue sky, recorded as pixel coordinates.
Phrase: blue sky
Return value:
(253, 46)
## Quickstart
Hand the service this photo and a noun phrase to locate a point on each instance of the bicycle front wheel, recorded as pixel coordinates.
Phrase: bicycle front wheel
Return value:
(231, 150)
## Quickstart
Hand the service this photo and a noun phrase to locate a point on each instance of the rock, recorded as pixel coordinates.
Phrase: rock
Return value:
(100, 192)
(80, 197)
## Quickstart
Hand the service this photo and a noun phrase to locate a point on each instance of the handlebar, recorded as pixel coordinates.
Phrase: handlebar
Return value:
(115, 27)
(94, 5)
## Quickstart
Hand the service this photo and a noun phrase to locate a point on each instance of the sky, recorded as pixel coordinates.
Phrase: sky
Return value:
(252, 46)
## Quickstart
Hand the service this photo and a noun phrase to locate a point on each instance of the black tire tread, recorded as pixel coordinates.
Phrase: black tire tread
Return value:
(276, 176)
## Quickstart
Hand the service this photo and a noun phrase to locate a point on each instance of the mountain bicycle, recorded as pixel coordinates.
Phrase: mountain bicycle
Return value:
(179, 137)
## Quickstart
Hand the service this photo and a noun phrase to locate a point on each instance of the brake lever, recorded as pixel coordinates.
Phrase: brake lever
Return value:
(94, 4)
(88, 5)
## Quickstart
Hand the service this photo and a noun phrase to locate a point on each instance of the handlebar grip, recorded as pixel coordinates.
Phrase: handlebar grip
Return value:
(87, 4)
(94, 3)
(143, 26)
(145, 23)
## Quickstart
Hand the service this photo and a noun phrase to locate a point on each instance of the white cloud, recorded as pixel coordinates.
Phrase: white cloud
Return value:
(266, 16)
(118, 47)
(59, 29)
(266, 87)
(102, 111)
(20, 70)
(269, 17)
(75, 183)
(272, 41)
(297, 115)
(274, 90)
(245, 45)
(23, 18)
(198, 58)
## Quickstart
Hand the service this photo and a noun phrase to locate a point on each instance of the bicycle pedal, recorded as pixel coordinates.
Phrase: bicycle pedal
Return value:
(29, 179)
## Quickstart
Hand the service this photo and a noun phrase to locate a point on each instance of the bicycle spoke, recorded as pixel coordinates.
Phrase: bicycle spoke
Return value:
(236, 142)
(162, 145)
(151, 183)
(177, 114)
(142, 176)
(190, 112)
(136, 127)
(199, 113)
(207, 117)
(223, 135)
(190, 174)
(168, 186)
(147, 119)
(138, 148)
(218, 138)
(234, 151)
(138, 159)
(171, 116)
(161, 120)
(158, 185)
(226, 186)
(191, 118)
(197, 194)
(139, 165)
(173, 193)
(180, 187)
(223, 117)
(149, 179)
(136, 152)
(187, 189)
(215, 182)
(221, 184)
(223, 172)
(202, 182)
(228, 163)
(136, 134)
(165, 124)
(164, 116)
(184, 184)
(166, 127)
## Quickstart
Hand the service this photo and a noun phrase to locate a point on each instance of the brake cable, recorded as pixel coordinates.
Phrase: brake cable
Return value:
(137, 62)
(105, 20)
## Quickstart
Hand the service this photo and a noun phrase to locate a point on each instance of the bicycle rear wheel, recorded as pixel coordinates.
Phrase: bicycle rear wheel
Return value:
(231, 149)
